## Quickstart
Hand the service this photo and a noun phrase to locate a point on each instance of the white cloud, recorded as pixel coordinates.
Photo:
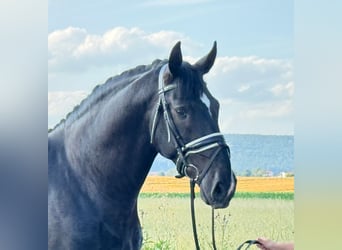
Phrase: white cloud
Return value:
(258, 118)
(243, 88)
(75, 49)
(250, 78)
(164, 38)
(253, 91)
(280, 89)
(62, 44)
(62, 102)
(269, 110)
(255, 66)
(260, 93)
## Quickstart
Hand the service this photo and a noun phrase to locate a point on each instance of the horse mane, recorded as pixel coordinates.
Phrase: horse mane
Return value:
(192, 88)
(111, 86)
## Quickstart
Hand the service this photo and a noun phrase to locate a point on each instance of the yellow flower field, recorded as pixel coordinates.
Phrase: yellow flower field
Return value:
(169, 184)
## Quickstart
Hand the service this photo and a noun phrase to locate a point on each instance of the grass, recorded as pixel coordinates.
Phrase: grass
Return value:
(242, 195)
(166, 221)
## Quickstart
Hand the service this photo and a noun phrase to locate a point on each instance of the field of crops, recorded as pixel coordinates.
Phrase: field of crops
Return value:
(169, 184)
(261, 207)
(166, 222)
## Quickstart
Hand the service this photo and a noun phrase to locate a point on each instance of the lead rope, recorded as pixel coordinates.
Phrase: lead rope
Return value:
(213, 228)
(193, 219)
(249, 242)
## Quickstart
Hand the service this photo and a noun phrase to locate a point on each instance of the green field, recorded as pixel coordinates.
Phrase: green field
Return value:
(166, 221)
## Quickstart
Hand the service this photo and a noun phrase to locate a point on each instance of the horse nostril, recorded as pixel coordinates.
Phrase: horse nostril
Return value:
(218, 192)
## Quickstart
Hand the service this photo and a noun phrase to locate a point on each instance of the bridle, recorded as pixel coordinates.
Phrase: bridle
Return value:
(184, 150)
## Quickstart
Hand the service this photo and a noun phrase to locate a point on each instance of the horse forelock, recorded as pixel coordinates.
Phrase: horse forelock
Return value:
(191, 82)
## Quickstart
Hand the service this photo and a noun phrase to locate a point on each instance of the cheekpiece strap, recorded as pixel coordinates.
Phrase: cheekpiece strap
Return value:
(161, 101)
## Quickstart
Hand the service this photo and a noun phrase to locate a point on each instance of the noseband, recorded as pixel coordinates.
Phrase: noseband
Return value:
(210, 141)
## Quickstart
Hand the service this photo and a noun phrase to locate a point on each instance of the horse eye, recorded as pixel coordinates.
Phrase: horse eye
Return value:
(181, 112)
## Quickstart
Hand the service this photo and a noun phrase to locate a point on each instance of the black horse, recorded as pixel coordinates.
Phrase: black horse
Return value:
(100, 155)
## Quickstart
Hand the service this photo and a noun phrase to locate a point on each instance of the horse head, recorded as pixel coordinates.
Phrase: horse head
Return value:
(185, 127)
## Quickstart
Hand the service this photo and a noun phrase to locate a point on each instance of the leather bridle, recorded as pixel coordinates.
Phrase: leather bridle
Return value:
(184, 150)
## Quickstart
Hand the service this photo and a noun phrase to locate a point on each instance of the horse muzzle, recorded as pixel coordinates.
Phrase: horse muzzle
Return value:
(218, 192)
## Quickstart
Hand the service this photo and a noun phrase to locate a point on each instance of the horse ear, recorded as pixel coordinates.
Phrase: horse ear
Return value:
(205, 63)
(175, 59)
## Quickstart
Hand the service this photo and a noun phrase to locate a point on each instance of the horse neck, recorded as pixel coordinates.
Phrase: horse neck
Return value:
(109, 149)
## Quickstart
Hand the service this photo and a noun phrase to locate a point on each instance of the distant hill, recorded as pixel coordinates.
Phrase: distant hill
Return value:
(249, 153)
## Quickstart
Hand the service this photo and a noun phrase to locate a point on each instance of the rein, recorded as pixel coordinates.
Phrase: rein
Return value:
(210, 141)
(193, 220)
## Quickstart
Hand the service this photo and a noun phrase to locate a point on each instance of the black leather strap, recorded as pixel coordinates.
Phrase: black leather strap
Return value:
(249, 243)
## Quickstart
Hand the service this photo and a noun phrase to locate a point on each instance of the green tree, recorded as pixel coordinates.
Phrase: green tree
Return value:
(259, 172)
(246, 172)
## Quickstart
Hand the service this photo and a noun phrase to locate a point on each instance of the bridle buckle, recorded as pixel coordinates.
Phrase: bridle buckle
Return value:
(191, 171)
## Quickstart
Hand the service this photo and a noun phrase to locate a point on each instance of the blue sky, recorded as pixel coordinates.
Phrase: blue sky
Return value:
(252, 76)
